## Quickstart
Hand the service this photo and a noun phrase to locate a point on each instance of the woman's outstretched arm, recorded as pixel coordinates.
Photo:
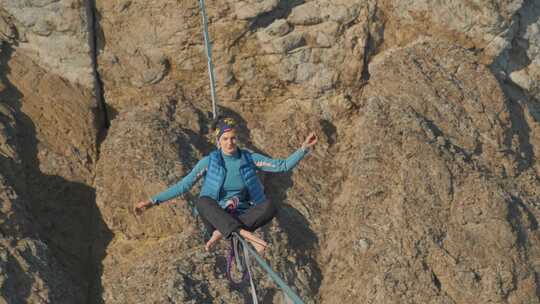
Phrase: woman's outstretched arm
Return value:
(283, 165)
(177, 189)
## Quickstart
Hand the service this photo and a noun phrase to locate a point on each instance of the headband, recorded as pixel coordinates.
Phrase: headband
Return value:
(224, 125)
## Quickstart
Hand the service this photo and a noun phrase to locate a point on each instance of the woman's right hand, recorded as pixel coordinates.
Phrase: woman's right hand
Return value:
(310, 141)
(141, 206)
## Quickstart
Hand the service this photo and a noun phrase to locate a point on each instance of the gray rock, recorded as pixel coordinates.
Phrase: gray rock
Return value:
(152, 68)
(287, 72)
(288, 43)
(253, 8)
(362, 245)
(305, 14)
(279, 28)
(522, 79)
(489, 27)
(324, 40)
(67, 52)
(325, 80)
(336, 107)
(43, 28)
(7, 30)
(323, 35)
(521, 62)
(287, 68)
(341, 13)
(305, 72)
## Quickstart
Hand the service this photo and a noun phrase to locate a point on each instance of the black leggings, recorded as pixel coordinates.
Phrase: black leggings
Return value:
(214, 217)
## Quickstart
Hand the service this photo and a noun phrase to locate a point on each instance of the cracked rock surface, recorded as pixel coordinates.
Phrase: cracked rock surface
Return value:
(423, 188)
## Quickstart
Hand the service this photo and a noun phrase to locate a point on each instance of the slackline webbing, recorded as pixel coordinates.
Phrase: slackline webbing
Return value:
(208, 46)
(273, 275)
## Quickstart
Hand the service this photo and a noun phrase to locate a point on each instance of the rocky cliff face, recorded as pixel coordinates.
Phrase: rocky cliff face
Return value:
(50, 121)
(422, 189)
(33, 226)
(428, 197)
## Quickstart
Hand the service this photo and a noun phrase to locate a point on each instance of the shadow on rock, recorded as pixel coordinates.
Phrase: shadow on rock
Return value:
(64, 213)
(514, 59)
(519, 210)
(282, 10)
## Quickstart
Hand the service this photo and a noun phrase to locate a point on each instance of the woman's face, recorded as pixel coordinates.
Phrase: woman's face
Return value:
(227, 142)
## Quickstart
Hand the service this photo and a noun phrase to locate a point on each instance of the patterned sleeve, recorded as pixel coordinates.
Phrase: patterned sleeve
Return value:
(267, 164)
(184, 184)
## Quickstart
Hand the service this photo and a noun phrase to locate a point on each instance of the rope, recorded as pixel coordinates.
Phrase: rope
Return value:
(234, 253)
(234, 258)
(208, 47)
(273, 275)
(243, 266)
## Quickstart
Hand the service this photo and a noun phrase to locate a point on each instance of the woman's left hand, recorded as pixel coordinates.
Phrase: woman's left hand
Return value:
(310, 141)
(142, 206)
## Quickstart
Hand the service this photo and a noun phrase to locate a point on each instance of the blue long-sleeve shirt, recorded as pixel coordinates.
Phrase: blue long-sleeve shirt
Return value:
(233, 184)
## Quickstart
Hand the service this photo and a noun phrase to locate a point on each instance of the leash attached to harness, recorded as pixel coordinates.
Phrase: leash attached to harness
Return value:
(235, 258)
(239, 255)
(242, 263)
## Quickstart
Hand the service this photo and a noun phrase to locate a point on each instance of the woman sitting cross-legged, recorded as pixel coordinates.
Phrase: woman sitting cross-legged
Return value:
(232, 196)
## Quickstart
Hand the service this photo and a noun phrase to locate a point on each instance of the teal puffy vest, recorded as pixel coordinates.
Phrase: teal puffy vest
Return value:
(215, 177)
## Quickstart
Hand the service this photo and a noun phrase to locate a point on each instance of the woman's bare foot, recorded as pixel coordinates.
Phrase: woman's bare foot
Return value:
(258, 243)
(216, 236)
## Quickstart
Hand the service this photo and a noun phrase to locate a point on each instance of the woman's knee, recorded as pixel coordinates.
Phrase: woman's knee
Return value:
(205, 205)
(270, 209)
